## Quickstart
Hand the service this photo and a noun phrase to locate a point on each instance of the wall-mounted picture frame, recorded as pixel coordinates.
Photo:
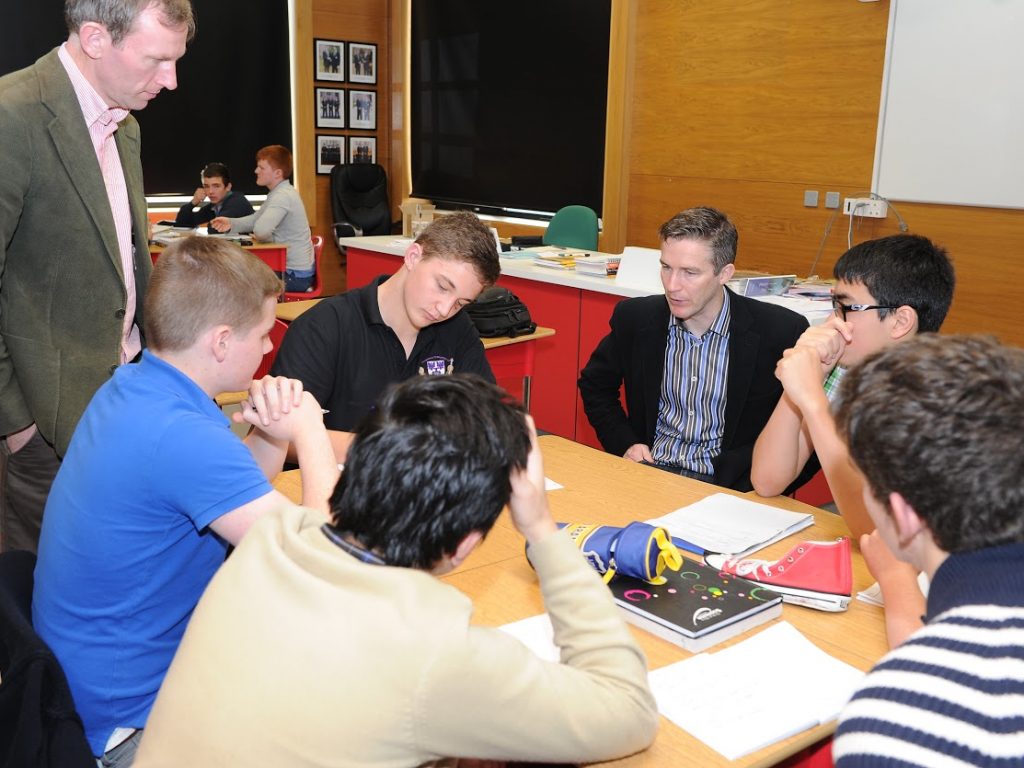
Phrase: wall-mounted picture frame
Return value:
(330, 108)
(362, 110)
(362, 149)
(330, 150)
(329, 60)
(362, 63)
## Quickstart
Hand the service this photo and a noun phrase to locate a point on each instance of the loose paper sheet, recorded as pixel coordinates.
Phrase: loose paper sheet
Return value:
(752, 694)
(873, 594)
(537, 634)
(551, 485)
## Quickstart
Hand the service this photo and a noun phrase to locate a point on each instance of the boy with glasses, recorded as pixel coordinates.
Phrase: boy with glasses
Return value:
(887, 291)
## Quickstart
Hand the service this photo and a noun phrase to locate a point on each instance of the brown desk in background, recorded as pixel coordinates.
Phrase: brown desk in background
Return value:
(512, 359)
(600, 488)
(274, 255)
(289, 310)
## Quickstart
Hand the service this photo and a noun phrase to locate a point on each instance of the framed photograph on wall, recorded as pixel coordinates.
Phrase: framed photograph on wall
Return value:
(362, 63)
(362, 110)
(329, 60)
(330, 108)
(330, 150)
(362, 149)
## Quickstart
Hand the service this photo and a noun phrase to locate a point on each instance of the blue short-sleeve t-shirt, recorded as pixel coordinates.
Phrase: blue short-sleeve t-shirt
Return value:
(125, 550)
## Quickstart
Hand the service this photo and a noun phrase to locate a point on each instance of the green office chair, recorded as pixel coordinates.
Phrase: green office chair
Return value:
(574, 226)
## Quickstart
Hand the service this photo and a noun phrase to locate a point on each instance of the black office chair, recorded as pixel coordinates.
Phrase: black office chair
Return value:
(359, 201)
(38, 722)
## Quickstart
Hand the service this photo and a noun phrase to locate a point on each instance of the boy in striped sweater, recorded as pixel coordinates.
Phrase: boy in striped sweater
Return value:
(935, 427)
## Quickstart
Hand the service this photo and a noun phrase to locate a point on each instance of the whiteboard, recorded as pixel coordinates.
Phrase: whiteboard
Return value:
(951, 123)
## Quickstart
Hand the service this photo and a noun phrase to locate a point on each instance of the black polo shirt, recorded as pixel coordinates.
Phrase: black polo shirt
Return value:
(344, 354)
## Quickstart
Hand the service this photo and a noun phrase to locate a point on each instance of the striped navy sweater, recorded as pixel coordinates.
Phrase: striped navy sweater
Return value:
(953, 693)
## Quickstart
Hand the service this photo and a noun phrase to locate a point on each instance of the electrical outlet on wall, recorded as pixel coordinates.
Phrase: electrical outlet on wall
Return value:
(867, 207)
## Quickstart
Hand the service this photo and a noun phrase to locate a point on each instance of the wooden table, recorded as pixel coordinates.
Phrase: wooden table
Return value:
(601, 488)
(289, 310)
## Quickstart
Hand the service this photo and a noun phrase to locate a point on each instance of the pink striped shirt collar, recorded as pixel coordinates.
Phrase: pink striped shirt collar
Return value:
(93, 107)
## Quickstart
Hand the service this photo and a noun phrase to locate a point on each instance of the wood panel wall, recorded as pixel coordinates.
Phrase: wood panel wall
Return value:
(744, 106)
(363, 21)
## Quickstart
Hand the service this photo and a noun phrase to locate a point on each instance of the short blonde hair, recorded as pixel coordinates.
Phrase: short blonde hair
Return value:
(200, 282)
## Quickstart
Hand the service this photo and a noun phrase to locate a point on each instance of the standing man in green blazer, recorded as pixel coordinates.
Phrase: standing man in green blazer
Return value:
(74, 259)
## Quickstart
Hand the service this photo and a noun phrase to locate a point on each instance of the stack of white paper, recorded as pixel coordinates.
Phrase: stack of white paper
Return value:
(730, 525)
(757, 692)
(815, 310)
(167, 235)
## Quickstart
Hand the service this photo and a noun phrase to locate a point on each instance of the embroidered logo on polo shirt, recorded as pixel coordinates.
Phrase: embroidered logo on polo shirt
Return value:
(436, 366)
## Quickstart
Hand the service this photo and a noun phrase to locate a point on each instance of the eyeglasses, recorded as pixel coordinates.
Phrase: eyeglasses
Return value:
(841, 309)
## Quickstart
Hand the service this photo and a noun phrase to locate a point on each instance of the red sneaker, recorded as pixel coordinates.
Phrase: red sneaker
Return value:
(816, 574)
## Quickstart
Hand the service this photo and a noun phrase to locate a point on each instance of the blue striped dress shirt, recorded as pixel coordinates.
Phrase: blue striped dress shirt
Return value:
(691, 410)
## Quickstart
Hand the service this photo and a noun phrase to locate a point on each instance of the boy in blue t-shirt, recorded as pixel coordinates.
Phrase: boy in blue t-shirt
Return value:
(155, 486)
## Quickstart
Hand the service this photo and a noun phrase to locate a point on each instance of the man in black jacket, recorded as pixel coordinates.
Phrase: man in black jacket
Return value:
(216, 185)
(698, 363)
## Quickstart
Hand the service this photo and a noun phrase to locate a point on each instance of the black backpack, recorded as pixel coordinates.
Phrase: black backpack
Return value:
(499, 312)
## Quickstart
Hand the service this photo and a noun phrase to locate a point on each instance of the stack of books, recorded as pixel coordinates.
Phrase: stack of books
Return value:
(582, 261)
(167, 235)
(597, 264)
(812, 289)
(555, 259)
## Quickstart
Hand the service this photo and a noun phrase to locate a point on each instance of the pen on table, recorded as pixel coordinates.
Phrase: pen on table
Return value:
(683, 544)
(322, 410)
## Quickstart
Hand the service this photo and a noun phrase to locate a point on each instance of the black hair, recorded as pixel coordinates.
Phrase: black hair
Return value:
(216, 169)
(902, 270)
(429, 466)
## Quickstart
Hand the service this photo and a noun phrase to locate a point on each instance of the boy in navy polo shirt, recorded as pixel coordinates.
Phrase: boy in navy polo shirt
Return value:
(347, 349)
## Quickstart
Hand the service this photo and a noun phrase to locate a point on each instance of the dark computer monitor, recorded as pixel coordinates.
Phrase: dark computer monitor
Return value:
(508, 103)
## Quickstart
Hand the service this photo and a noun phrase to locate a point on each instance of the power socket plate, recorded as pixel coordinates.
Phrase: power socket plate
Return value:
(867, 207)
